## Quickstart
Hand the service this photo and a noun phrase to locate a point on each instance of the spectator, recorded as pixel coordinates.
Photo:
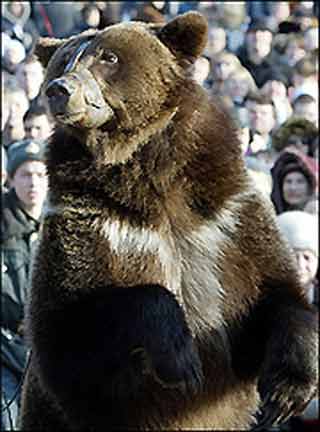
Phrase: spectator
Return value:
(294, 181)
(233, 18)
(17, 23)
(90, 17)
(311, 38)
(30, 75)
(200, 70)
(279, 11)
(305, 106)
(303, 16)
(256, 53)
(305, 77)
(294, 49)
(275, 87)
(239, 84)
(18, 105)
(290, 52)
(37, 122)
(217, 41)
(258, 9)
(297, 132)
(222, 66)
(237, 87)
(262, 121)
(20, 224)
(302, 232)
(13, 54)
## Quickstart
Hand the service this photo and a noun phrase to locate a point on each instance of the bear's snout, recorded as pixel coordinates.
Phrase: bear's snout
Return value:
(76, 99)
(58, 93)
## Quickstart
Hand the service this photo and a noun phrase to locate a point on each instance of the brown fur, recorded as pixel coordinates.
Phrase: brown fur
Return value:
(160, 195)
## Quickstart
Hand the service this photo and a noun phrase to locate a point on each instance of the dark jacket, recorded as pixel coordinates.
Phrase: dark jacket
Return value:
(18, 234)
(262, 71)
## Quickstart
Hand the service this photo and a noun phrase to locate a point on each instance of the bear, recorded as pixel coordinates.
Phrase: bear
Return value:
(163, 295)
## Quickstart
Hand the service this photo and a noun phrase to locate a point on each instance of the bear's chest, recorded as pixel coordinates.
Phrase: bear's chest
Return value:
(101, 249)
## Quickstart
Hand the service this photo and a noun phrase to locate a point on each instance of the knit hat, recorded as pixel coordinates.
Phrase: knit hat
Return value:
(23, 151)
(300, 229)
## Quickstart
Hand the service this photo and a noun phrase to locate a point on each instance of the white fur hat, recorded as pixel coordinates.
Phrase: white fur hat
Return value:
(301, 229)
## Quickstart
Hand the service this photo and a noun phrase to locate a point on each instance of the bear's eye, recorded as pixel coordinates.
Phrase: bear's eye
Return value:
(110, 58)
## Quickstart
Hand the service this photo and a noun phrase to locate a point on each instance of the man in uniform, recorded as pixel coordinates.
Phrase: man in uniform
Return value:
(21, 221)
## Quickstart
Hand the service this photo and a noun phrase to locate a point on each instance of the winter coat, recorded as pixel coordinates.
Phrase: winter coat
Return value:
(19, 232)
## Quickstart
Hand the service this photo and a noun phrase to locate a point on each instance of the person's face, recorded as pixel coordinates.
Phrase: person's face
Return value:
(261, 117)
(258, 44)
(308, 111)
(18, 103)
(307, 265)
(274, 89)
(295, 189)
(92, 17)
(294, 52)
(14, 129)
(201, 70)
(30, 77)
(237, 88)
(30, 183)
(37, 127)
(217, 40)
(16, 8)
(13, 58)
(281, 10)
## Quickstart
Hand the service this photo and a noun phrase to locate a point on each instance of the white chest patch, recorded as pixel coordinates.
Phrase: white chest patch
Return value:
(202, 258)
(125, 240)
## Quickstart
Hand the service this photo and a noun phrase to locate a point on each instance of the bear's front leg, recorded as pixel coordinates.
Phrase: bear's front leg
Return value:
(39, 412)
(276, 344)
(110, 355)
(289, 374)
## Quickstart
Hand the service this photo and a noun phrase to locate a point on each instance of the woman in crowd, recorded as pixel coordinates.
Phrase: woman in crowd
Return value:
(294, 181)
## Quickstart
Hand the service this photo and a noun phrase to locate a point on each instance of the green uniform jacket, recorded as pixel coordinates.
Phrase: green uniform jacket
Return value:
(19, 233)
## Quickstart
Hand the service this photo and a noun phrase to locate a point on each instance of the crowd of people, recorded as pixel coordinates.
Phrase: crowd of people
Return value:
(260, 63)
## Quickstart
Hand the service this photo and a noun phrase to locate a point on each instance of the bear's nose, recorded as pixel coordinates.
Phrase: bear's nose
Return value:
(58, 93)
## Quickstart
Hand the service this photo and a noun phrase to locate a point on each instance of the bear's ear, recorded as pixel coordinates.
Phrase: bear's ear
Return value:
(186, 34)
(46, 47)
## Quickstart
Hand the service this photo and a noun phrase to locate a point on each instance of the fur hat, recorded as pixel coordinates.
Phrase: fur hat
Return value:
(299, 127)
(23, 151)
(300, 229)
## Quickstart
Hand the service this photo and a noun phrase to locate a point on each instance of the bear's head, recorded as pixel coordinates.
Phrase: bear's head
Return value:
(123, 76)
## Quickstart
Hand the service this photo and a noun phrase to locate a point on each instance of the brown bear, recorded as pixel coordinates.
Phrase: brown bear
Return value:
(163, 295)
